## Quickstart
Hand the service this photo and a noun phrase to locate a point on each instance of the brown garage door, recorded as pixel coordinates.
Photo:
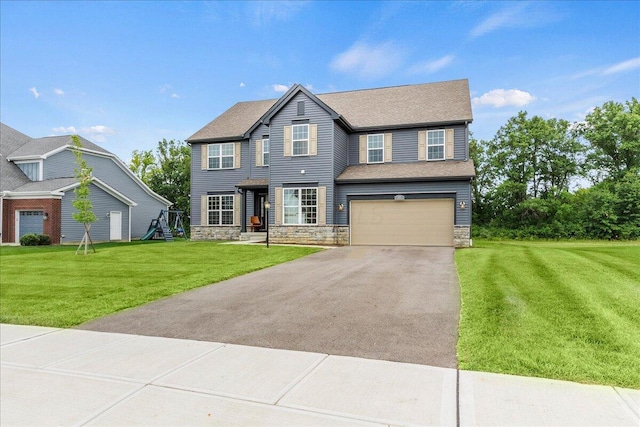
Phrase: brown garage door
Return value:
(407, 222)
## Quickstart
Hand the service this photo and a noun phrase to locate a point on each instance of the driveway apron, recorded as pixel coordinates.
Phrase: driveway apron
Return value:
(390, 303)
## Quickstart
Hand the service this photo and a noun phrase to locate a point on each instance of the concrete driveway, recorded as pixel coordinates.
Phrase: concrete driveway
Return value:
(391, 303)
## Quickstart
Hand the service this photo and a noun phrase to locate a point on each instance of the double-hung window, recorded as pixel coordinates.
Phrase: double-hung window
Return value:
(31, 169)
(300, 205)
(300, 139)
(220, 210)
(221, 155)
(265, 152)
(435, 144)
(375, 148)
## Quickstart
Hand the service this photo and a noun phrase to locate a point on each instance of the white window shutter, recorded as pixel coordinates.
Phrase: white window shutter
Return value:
(313, 140)
(258, 152)
(448, 143)
(363, 148)
(204, 158)
(237, 151)
(422, 145)
(388, 146)
(322, 205)
(278, 207)
(287, 141)
(204, 210)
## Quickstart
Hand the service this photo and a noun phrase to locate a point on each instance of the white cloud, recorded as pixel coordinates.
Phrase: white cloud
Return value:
(279, 87)
(64, 130)
(175, 95)
(309, 87)
(58, 92)
(503, 98)
(516, 15)
(369, 61)
(432, 66)
(242, 84)
(622, 67)
(265, 12)
(34, 91)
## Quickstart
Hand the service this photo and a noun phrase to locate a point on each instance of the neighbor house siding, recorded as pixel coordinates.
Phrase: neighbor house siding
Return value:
(105, 169)
(461, 190)
(319, 169)
(103, 203)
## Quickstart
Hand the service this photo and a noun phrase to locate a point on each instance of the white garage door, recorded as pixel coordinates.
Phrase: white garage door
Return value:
(423, 222)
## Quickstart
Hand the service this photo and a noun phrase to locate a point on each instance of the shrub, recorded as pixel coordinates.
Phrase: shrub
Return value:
(35, 240)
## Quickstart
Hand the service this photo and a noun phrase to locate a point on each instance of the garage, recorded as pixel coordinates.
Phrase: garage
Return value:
(30, 222)
(415, 222)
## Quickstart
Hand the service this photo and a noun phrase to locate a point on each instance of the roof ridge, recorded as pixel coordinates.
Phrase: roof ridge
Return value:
(392, 87)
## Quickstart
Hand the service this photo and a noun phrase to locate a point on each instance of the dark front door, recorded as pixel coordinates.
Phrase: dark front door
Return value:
(258, 210)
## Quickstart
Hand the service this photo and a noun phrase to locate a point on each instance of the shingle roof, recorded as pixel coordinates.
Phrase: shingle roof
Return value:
(46, 185)
(39, 146)
(449, 169)
(429, 103)
(234, 122)
(10, 175)
(253, 183)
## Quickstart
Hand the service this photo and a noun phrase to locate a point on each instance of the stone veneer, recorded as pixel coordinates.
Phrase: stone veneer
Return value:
(462, 236)
(199, 232)
(310, 234)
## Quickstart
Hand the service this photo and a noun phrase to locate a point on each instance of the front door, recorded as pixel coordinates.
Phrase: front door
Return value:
(260, 199)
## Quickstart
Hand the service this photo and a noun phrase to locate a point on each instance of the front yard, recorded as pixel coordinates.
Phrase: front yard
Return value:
(552, 309)
(50, 286)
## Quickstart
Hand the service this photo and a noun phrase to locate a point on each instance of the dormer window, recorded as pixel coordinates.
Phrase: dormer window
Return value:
(32, 170)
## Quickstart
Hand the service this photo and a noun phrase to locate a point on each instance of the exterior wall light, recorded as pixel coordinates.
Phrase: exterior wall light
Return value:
(462, 205)
(45, 216)
(341, 207)
(398, 197)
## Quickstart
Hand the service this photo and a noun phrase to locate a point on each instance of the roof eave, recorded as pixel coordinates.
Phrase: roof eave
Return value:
(411, 125)
(412, 179)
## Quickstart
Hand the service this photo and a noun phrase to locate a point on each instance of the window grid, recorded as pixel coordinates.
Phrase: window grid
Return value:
(435, 145)
(375, 148)
(221, 156)
(300, 205)
(300, 139)
(220, 210)
(265, 152)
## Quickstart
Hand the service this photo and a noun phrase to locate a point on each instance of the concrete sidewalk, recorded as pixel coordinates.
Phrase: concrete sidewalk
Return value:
(73, 377)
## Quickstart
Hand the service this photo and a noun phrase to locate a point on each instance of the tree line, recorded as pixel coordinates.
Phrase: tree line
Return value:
(551, 178)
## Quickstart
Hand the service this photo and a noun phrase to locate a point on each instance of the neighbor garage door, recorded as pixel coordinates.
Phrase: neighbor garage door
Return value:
(30, 223)
(424, 222)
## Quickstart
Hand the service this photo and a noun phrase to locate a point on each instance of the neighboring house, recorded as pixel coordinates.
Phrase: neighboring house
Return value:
(385, 166)
(36, 188)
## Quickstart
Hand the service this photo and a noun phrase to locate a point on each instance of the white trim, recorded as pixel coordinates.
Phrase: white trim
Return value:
(233, 211)
(444, 145)
(268, 151)
(284, 223)
(21, 195)
(233, 156)
(16, 214)
(40, 167)
(371, 149)
(293, 140)
(106, 187)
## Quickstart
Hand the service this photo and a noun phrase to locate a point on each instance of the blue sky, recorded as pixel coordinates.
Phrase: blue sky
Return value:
(127, 74)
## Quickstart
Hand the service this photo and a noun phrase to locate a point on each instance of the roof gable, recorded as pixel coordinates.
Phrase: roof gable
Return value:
(44, 147)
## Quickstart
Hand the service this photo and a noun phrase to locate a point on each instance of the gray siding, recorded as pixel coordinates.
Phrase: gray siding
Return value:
(461, 189)
(258, 172)
(318, 169)
(341, 147)
(62, 164)
(405, 144)
(211, 181)
(103, 203)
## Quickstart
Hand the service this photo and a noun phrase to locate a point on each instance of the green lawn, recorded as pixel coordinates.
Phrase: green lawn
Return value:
(552, 309)
(51, 286)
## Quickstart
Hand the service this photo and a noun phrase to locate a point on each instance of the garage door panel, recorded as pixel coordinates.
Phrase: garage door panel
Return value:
(408, 222)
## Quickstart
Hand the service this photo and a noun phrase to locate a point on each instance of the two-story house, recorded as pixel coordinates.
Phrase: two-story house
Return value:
(37, 183)
(387, 166)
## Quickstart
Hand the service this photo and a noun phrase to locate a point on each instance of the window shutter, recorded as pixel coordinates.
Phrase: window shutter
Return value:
(287, 141)
(313, 140)
(322, 205)
(388, 147)
(237, 210)
(204, 210)
(204, 158)
(363, 148)
(237, 151)
(278, 205)
(422, 145)
(448, 143)
(258, 152)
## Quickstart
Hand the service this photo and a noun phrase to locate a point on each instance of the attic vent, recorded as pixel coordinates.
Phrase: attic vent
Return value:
(301, 108)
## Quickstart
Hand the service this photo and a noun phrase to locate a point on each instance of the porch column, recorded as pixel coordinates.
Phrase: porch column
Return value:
(243, 214)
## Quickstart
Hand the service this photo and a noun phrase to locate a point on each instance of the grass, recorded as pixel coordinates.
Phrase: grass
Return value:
(51, 286)
(561, 310)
